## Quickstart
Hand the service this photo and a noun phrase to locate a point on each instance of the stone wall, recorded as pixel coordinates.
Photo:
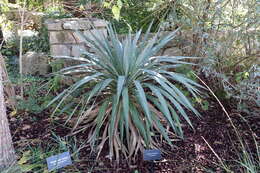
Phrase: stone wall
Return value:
(64, 41)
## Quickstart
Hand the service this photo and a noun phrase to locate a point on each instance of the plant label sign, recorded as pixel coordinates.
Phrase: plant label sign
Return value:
(59, 161)
(151, 155)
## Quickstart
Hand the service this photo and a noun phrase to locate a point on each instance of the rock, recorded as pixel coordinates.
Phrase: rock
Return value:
(77, 50)
(27, 33)
(64, 38)
(53, 25)
(77, 25)
(83, 24)
(77, 37)
(60, 50)
(96, 32)
(100, 23)
(61, 37)
(35, 63)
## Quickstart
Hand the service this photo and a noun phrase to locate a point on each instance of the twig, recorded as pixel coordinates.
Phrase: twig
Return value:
(231, 122)
(220, 160)
(223, 108)
(21, 54)
(23, 20)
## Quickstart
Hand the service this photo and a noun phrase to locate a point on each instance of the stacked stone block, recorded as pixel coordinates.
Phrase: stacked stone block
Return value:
(63, 36)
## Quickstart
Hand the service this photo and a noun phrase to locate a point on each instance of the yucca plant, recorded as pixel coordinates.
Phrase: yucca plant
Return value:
(127, 95)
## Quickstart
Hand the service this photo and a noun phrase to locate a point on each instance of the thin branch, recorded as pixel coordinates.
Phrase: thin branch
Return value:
(23, 20)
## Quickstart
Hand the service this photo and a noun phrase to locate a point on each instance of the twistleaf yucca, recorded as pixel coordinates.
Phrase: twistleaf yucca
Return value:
(125, 96)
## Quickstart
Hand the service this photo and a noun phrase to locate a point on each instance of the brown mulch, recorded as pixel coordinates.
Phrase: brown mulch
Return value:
(192, 154)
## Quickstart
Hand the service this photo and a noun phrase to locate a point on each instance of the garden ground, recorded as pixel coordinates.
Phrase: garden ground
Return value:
(192, 154)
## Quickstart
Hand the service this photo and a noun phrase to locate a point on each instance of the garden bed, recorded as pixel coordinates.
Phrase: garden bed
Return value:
(192, 154)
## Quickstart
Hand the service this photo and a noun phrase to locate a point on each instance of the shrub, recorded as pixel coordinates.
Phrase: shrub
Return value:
(127, 95)
(36, 93)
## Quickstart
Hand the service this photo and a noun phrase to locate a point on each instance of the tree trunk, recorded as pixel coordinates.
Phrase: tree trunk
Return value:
(1, 32)
(7, 153)
(8, 89)
(1, 35)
